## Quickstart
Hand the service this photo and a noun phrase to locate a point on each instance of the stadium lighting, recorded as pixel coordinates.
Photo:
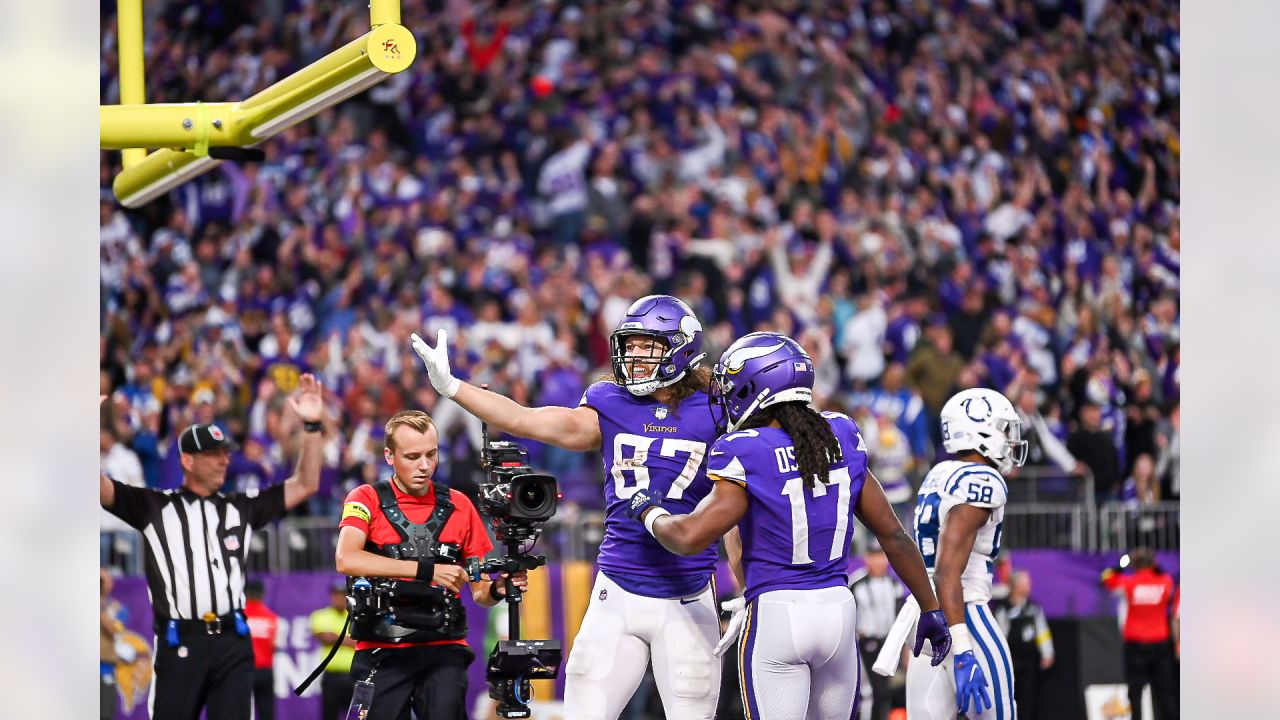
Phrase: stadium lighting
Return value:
(186, 131)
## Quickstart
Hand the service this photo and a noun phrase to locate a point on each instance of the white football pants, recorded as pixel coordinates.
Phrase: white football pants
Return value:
(622, 631)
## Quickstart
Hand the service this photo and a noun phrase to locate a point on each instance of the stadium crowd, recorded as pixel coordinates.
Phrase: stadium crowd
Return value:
(929, 196)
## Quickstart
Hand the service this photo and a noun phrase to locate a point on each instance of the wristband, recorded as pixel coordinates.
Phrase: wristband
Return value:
(493, 591)
(312, 426)
(426, 570)
(652, 517)
(961, 641)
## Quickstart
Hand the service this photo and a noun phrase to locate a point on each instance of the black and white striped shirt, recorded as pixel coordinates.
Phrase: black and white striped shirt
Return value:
(878, 600)
(196, 547)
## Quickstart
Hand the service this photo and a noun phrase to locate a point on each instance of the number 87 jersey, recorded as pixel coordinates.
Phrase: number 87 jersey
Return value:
(951, 483)
(647, 445)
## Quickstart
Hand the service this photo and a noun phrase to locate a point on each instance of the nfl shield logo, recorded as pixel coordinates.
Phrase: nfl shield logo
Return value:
(604, 593)
(660, 412)
(231, 542)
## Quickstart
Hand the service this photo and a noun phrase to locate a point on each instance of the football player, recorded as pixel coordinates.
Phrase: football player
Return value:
(958, 519)
(791, 480)
(653, 422)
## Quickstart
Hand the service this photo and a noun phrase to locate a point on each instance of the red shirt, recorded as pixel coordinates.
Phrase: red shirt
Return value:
(1149, 594)
(262, 630)
(464, 528)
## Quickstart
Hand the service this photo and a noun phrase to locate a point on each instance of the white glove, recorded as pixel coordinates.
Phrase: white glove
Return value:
(436, 359)
(737, 606)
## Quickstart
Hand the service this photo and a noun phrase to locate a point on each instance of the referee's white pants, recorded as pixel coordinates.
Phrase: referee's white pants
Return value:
(622, 631)
(931, 691)
(798, 656)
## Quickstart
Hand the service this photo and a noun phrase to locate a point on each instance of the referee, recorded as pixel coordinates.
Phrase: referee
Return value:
(196, 541)
(877, 597)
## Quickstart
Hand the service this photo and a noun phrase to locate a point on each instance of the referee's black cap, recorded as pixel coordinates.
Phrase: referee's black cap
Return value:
(202, 438)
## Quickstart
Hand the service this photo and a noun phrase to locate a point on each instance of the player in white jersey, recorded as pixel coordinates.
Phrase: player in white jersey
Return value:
(959, 516)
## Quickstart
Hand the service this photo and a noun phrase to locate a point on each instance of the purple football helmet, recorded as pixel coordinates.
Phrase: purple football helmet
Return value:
(664, 318)
(759, 370)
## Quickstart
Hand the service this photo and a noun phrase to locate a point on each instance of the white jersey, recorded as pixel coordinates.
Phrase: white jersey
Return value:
(951, 483)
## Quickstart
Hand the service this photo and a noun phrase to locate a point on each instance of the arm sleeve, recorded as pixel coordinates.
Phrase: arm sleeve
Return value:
(358, 508)
(596, 395)
(979, 486)
(1053, 447)
(476, 543)
(1044, 638)
(723, 462)
(1112, 580)
(132, 504)
(265, 507)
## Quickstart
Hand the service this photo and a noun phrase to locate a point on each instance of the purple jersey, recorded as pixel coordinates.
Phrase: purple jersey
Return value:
(793, 537)
(647, 445)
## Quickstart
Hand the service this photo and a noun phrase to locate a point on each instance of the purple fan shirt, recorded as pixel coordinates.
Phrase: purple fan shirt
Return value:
(793, 537)
(648, 444)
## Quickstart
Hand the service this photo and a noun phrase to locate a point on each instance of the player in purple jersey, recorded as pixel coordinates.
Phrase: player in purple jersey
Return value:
(791, 480)
(652, 421)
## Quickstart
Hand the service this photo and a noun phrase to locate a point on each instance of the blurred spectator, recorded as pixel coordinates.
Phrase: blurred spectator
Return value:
(1096, 449)
(1142, 486)
(263, 625)
(901, 405)
(865, 166)
(1044, 445)
(879, 597)
(326, 625)
(933, 371)
(1030, 642)
(1169, 461)
(891, 462)
(119, 543)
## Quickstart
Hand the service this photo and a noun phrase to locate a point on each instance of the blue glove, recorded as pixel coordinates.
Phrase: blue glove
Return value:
(971, 684)
(933, 627)
(641, 501)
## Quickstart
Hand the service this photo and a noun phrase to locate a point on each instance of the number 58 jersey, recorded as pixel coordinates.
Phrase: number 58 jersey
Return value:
(952, 483)
(647, 444)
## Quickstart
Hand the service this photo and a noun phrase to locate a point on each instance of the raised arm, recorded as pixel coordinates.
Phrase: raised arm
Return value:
(569, 428)
(874, 510)
(106, 490)
(308, 403)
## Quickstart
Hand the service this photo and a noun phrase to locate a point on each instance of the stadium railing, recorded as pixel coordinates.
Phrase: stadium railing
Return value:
(1122, 526)
(1047, 509)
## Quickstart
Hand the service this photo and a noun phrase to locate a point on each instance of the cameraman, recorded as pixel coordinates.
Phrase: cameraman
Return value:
(423, 662)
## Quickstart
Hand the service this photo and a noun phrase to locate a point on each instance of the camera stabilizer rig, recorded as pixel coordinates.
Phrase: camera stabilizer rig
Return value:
(518, 502)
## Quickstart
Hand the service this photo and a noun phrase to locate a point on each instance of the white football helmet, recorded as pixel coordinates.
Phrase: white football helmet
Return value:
(984, 421)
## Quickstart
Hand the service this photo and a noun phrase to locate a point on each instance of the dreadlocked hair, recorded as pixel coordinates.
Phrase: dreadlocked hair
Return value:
(816, 446)
(695, 380)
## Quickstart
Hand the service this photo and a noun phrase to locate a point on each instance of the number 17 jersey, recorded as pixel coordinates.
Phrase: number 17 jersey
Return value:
(647, 444)
(793, 537)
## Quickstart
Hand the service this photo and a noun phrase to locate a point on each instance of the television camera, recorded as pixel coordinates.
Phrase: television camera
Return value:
(518, 502)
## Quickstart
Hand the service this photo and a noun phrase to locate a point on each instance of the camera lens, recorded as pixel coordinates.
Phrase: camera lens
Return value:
(534, 497)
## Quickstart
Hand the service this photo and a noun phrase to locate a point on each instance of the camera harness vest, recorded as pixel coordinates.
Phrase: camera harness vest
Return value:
(417, 540)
